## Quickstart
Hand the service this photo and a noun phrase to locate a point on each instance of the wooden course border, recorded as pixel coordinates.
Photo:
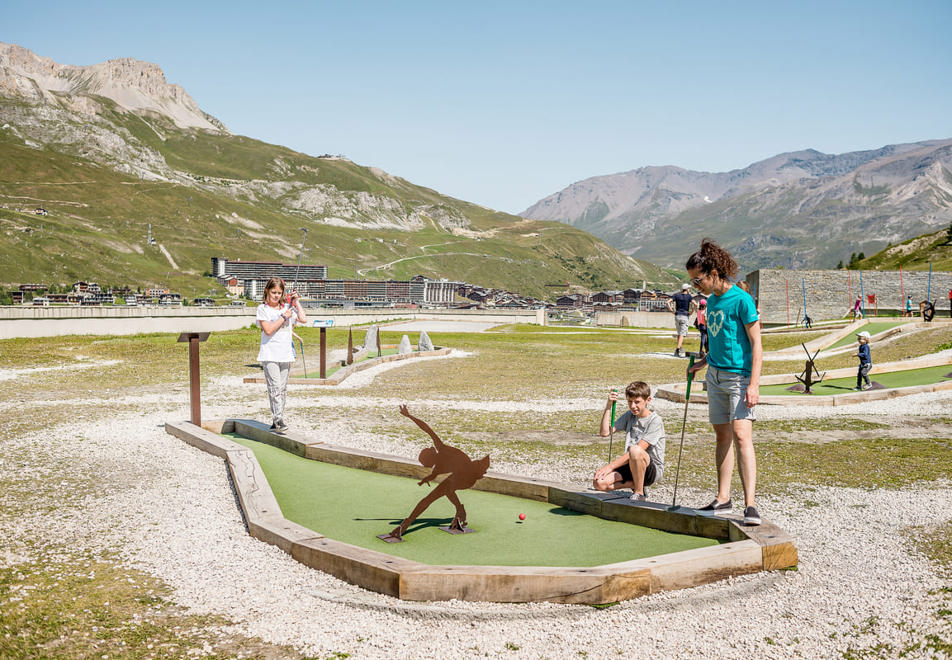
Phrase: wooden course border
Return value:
(348, 370)
(746, 549)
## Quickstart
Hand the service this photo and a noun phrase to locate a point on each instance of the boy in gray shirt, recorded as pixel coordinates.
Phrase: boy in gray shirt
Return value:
(642, 464)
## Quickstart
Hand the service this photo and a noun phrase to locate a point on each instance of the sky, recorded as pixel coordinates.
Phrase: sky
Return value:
(504, 103)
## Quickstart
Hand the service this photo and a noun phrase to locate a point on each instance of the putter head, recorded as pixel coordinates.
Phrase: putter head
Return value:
(673, 507)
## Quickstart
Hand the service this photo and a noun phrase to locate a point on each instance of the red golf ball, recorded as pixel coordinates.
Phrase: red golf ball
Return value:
(522, 516)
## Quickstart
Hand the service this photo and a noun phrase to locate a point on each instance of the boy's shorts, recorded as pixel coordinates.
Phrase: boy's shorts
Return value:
(651, 473)
(681, 324)
(725, 396)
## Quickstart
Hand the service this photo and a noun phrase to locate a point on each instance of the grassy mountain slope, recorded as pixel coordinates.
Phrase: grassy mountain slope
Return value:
(235, 198)
(915, 254)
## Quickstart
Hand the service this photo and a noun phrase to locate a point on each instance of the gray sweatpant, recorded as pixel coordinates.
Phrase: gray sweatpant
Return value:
(276, 376)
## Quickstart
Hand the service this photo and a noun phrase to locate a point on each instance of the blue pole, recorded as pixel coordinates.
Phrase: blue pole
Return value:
(803, 283)
(929, 294)
(862, 298)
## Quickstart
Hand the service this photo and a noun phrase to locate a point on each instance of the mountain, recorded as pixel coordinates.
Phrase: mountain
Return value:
(803, 209)
(113, 150)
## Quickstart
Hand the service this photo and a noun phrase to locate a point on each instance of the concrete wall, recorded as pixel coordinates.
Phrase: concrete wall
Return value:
(636, 319)
(58, 321)
(830, 293)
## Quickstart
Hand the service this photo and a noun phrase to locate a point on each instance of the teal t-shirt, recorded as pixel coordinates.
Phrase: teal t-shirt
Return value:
(727, 319)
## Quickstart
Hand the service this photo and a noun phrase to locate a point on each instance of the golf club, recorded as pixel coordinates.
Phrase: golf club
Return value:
(303, 361)
(300, 258)
(677, 472)
(294, 288)
(611, 434)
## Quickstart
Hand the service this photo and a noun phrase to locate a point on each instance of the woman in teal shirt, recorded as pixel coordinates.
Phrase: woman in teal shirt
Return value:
(733, 376)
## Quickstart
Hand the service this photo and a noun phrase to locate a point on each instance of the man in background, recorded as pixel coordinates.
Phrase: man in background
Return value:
(682, 304)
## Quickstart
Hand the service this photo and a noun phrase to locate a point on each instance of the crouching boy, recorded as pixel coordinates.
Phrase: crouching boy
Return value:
(643, 461)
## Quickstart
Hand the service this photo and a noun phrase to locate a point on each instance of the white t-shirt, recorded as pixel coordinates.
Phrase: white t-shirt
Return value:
(650, 429)
(278, 346)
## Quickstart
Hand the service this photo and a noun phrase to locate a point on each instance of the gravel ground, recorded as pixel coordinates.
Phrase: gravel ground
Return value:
(170, 511)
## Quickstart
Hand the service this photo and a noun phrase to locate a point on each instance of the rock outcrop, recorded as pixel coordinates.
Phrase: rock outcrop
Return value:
(131, 84)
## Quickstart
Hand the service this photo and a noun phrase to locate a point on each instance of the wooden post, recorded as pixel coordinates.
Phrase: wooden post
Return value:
(323, 352)
(194, 339)
(350, 346)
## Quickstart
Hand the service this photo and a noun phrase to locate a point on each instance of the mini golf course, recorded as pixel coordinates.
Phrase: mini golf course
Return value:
(354, 506)
(325, 504)
(882, 380)
(889, 379)
(873, 328)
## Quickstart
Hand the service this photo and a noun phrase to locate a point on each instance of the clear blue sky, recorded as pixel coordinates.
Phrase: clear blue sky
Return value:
(503, 103)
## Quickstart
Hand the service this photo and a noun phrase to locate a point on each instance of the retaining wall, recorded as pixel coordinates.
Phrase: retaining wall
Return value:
(830, 293)
(16, 321)
(637, 319)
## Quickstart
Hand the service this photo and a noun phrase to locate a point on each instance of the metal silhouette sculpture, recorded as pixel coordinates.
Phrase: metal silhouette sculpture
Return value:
(463, 473)
(808, 372)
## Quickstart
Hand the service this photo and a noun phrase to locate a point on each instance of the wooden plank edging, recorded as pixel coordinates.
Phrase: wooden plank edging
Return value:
(748, 550)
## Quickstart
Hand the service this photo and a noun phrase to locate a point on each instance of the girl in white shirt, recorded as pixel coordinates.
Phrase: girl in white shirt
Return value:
(276, 318)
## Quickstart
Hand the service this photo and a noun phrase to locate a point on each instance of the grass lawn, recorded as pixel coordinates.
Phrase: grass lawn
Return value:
(72, 604)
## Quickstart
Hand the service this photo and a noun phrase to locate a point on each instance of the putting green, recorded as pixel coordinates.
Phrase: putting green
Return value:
(337, 366)
(908, 378)
(873, 328)
(353, 506)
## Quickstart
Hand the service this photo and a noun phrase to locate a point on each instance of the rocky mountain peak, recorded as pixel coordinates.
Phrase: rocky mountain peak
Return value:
(134, 85)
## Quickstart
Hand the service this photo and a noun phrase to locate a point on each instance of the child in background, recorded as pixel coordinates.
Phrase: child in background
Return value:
(858, 309)
(701, 323)
(865, 361)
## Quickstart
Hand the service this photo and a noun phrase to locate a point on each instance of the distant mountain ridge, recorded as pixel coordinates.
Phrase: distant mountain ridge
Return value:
(111, 149)
(798, 209)
(132, 84)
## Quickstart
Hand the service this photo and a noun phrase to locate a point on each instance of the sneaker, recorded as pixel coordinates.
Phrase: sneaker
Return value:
(638, 497)
(751, 517)
(867, 387)
(282, 427)
(716, 507)
(273, 428)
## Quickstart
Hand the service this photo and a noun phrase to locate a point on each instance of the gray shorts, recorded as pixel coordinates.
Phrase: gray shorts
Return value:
(725, 395)
(681, 325)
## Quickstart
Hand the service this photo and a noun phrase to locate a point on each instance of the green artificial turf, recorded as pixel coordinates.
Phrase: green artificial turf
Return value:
(908, 378)
(873, 328)
(353, 506)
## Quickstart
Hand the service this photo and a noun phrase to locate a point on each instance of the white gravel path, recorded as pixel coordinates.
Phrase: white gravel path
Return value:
(169, 509)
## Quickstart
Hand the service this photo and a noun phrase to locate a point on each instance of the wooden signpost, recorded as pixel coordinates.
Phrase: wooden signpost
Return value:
(194, 339)
(323, 324)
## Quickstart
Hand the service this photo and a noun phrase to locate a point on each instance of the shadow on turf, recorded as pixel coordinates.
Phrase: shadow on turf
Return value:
(419, 523)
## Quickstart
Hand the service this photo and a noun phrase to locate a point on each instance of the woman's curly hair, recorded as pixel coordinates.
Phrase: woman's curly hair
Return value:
(713, 257)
